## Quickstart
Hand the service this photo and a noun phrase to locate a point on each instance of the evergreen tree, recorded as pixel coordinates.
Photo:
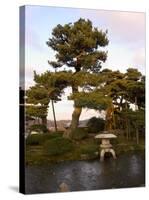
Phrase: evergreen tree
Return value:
(48, 87)
(135, 87)
(124, 89)
(38, 100)
(77, 46)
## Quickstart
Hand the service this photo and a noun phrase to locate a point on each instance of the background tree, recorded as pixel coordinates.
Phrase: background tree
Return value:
(38, 99)
(96, 124)
(135, 87)
(125, 89)
(115, 88)
(48, 87)
(135, 123)
(77, 46)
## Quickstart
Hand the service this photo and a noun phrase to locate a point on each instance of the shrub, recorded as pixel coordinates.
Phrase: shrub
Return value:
(79, 134)
(57, 146)
(89, 148)
(95, 125)
(36, 139)
(39, 128)
(39, 139)
(56, 134)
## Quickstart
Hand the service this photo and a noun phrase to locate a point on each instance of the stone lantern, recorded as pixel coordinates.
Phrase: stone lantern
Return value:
(105, 145)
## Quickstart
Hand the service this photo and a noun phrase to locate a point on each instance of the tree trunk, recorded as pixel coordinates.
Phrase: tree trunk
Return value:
(77, 110)
(136, 106)
(137, 135)
(75, 118)
(120, 104)
(127, 122)
(74, 122)
(110, 120)
(127, 129)
(55, 124)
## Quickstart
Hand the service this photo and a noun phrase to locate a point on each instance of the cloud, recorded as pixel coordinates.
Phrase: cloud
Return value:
(126, 33)
(139, 59)
(127, 26)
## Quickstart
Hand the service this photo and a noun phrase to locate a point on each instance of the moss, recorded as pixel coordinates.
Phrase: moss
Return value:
(89, 149)
(79, 134)
(39, 139)
(57, 146)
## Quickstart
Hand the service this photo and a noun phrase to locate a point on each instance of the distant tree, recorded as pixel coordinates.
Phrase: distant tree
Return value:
(135, 87)
(37, 100)
(124, 89)
(135, 123)
(115, 88)
(96, 124)
(47, 88)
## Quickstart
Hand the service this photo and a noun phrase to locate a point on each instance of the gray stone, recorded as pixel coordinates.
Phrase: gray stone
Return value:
(63, 187)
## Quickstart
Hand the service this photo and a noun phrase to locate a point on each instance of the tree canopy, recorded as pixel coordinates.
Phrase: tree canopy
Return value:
(77, 45)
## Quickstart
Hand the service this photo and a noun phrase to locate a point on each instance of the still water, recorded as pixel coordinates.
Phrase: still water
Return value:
(127, 171)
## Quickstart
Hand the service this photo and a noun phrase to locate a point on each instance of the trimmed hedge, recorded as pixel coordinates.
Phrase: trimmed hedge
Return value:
(57, 146)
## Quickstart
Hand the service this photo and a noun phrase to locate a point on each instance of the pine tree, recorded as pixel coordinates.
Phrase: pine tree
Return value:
(124, 89)
(77, 46)
(48, 87)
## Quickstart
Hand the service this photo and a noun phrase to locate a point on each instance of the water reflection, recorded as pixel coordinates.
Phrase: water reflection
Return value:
(126, 171)
(134, 165)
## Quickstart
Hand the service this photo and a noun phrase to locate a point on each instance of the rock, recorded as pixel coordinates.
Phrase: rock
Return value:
(63, 187)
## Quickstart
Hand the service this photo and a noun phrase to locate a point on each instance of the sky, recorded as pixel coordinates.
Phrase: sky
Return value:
(126, 33)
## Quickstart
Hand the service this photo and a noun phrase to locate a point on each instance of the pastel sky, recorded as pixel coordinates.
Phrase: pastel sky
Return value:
(126, 33)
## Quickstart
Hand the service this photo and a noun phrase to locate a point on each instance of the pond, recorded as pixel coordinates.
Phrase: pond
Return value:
(127, 171)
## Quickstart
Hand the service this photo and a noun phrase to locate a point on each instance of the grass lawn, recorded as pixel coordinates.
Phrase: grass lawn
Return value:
(36, 152)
